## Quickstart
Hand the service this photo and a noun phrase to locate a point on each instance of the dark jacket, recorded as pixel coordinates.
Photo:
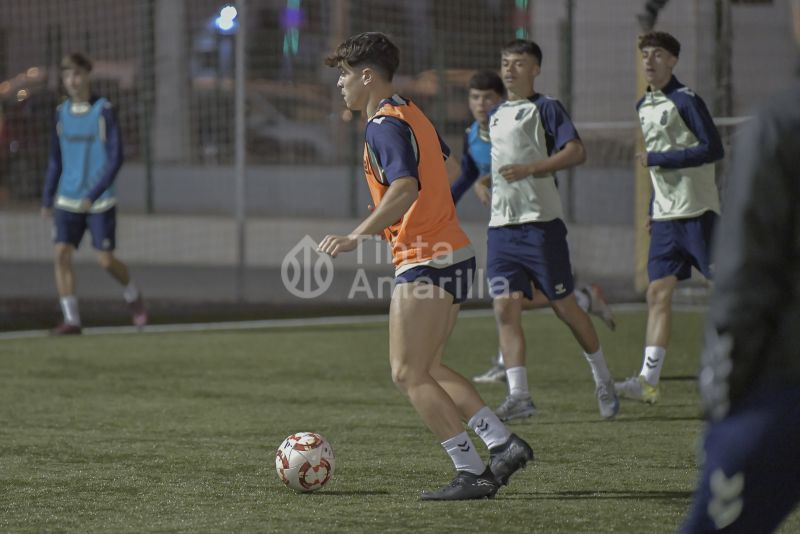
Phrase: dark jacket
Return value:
(753, 334)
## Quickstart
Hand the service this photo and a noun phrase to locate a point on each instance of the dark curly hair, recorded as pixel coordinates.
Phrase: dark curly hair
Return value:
(372, 49)
(661, 40)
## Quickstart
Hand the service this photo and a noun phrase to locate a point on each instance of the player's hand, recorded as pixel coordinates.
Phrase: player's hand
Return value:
(46, 213)
(641, 157)
(85, 205)
(485, 180)
(515, 171)
(483, 193)
(334, 244)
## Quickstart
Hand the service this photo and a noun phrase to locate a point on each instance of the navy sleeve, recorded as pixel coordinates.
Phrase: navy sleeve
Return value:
(694, 113)
(443, 146)
(53, 167)
(469, 173)
(556, 122)
(394, 146)
(113, 152)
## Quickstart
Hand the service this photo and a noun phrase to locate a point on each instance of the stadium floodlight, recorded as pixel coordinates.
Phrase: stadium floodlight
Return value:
(226, 22)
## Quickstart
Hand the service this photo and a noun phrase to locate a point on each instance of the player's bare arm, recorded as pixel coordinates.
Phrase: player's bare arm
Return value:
(398, 199)
(571, 155)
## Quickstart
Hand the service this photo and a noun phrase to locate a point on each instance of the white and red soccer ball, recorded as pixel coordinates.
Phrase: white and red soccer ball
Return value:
(305, 461)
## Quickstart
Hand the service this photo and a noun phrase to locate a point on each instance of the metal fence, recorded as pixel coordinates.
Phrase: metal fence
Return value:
(169, 68)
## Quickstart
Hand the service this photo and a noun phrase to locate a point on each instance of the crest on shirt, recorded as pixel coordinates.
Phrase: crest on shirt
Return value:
(519, 115)
(664, 116)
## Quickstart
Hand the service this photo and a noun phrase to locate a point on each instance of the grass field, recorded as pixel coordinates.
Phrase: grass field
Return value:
(177, 432)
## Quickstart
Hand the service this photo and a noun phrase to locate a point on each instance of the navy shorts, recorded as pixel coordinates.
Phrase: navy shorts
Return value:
(531, 252)
(69, 227)
(456, 279)
(678, 245)
(750, 477)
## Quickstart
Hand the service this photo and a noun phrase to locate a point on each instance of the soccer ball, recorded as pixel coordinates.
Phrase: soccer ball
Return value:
(304, 461)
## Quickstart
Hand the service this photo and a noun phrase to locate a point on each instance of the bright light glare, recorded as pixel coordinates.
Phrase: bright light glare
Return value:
(228, 12)
(226, 20)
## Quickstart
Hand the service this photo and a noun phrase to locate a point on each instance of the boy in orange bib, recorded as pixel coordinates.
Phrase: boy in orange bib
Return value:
(404, 163)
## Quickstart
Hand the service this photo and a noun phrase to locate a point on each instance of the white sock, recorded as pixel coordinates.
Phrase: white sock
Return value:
(597, 362)
(518, 381)
(69, 307)
(583, 299)
(651, 366)
(463, 454)
(489, 428)
(500, 360)
(131, 292)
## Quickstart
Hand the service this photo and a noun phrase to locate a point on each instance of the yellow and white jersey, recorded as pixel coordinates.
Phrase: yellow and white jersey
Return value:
(682, 145)
(522, 132)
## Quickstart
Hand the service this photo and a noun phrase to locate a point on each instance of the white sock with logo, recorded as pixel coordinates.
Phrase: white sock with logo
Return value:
(489, 428)
(518, 382)
(463, 454)
(652, 364)
(69, 307)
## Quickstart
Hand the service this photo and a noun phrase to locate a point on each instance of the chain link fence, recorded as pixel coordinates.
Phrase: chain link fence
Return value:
(168, 66)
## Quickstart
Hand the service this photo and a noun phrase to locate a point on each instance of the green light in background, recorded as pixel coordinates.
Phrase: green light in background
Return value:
(291, 20)
(291, 41)
(520, 19)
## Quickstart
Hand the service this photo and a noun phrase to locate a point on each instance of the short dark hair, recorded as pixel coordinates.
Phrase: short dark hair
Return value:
(76, 59)
(661, 40)
(373, 49)
(487, 80)
(523, 46)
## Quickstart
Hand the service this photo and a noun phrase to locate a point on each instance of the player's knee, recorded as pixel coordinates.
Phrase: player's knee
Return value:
(105, 260)
(567, 309)
(63, 255)
(659, 294)
(504, 311)
(400, 377)
(560, 311)
(404, 376)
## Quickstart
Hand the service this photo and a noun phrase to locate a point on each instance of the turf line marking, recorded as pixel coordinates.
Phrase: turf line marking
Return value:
(287, 323)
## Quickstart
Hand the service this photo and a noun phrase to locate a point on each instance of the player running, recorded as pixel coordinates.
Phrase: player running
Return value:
(682, 145)
(486, 91)
(532, 137)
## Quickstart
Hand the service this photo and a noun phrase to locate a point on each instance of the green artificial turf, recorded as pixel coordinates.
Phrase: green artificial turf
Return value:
(177, 432)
